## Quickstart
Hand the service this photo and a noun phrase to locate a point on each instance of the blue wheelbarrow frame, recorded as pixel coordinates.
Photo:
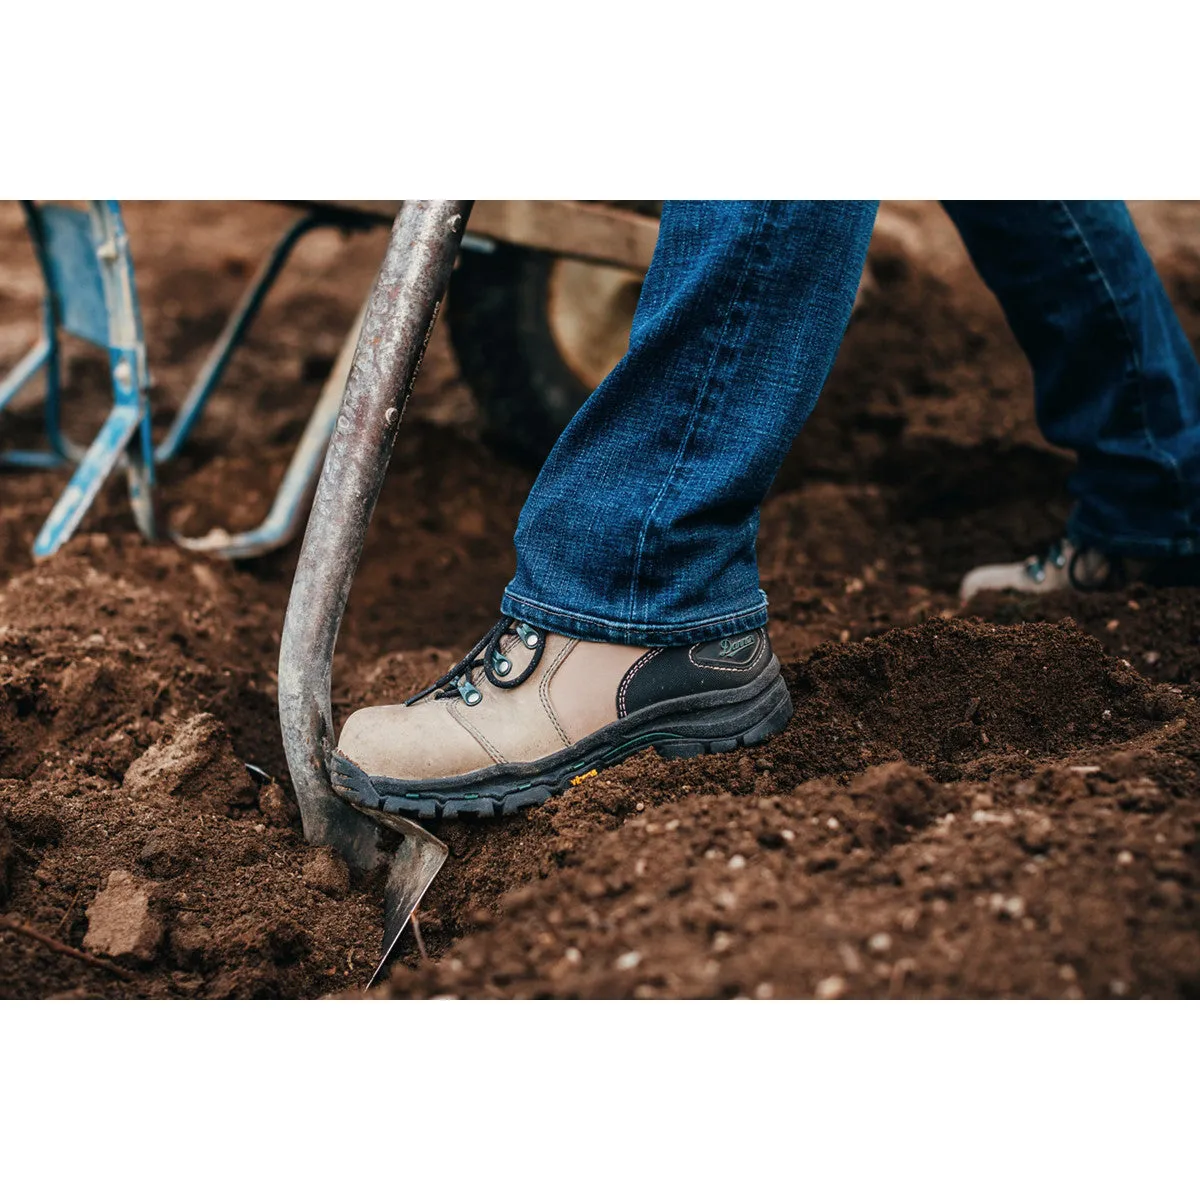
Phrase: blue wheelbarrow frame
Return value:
(91, 294)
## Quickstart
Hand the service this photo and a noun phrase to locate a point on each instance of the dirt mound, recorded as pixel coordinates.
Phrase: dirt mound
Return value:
(745, 874)
(1004, 806)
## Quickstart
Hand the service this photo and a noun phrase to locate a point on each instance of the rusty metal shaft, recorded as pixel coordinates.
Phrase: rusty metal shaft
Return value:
(399, 319)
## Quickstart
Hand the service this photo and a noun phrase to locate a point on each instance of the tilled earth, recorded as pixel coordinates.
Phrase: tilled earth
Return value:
(1002, 802)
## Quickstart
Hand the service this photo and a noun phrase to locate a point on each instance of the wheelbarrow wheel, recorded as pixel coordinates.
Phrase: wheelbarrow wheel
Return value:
(534, 335)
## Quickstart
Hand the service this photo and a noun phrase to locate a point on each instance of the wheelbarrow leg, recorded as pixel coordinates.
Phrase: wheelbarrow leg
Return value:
(399, 319)
(289, 506)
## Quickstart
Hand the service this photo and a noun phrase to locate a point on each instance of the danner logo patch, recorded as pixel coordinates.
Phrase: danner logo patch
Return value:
(736, 651)
(730, 646)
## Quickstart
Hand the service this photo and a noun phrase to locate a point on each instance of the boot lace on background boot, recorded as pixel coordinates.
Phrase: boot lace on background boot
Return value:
(487, 654)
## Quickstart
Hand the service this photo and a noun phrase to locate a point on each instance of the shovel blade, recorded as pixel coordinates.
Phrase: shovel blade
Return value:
(414, 867)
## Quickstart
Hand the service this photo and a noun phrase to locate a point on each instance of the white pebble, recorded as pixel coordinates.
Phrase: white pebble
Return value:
(764, 991)
(572, 955)
(1124, 858)
(832, 823)
(737, 862)
(879, 943)
(788, 835)
(831, 988)
(721, 941)
(628, 961)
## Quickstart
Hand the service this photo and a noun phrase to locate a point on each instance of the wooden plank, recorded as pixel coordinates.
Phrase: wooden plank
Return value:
(595, 233)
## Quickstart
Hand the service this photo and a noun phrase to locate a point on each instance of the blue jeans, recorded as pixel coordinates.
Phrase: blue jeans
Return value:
(641, 527)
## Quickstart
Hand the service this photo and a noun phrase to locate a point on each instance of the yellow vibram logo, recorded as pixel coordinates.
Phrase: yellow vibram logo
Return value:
(586, 775)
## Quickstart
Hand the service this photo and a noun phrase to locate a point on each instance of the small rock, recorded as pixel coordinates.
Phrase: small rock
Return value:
(721, 941)
(737, 862)
(572, 955)
(1112, 625)
(628, 960)
(833, 987)
(788, 835)
(879, 943)
(1124, 858)
(832, 823)
(764, 991)
(1151, 657)
(120, 923)
(1118, 988)
(327, 871)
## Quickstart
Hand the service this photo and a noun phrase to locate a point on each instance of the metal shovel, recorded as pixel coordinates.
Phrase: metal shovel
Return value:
(399, 319)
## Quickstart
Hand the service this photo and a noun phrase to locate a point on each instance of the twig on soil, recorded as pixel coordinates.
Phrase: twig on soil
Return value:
(62, 948)
(416, 928)
(67, 914)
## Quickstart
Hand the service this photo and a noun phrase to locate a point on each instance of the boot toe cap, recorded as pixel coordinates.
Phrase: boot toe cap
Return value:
(394, 741)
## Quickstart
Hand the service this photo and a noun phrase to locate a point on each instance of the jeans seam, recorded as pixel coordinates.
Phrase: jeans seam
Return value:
(678, 625)
(1163, 456)
(702, 393)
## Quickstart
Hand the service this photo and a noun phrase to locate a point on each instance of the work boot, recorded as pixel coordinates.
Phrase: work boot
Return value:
(1086, 570)
(527, 714)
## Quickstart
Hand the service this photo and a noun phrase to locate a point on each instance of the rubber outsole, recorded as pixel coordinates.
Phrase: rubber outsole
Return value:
(713, 730)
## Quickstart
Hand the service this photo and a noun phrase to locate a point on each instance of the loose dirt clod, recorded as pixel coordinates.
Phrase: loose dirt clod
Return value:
(120, 923)
(327, 871)
(193, 764)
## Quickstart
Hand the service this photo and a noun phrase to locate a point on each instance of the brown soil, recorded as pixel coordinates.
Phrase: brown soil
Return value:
(997, 803)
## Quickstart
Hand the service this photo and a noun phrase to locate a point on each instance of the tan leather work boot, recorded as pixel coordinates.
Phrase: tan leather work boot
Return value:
(527, 714)
(1086, 570)
(1061, 566)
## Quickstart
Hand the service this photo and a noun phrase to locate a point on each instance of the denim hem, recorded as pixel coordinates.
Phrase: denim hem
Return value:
(1081, 534)
(599, 629)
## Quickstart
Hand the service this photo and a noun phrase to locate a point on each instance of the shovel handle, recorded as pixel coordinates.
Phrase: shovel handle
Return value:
(399, 319)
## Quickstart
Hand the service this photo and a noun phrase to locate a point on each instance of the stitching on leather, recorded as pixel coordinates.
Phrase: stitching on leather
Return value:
(704, 666)
(544, 690)
(637, 666)
(497, 757)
